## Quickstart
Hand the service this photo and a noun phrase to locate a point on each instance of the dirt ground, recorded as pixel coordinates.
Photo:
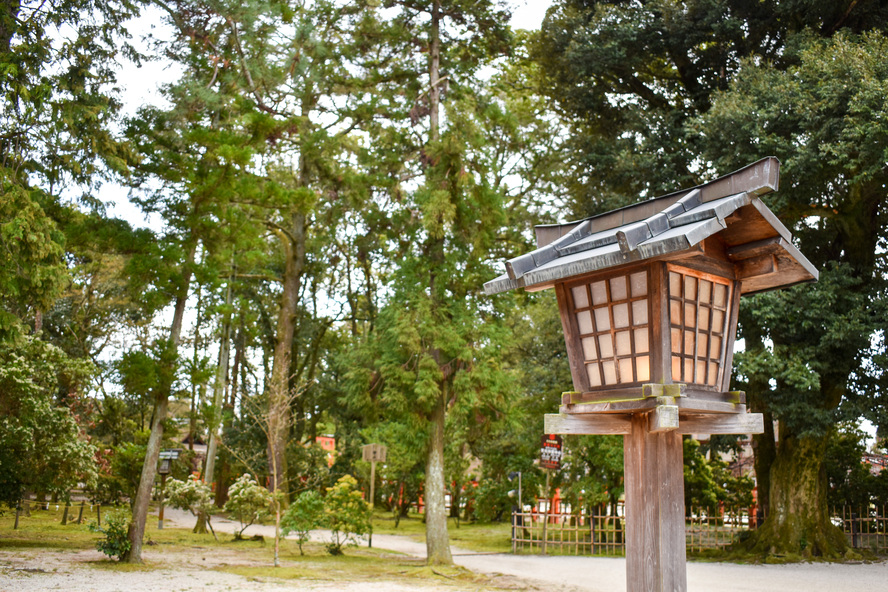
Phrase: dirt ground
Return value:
(193, 570)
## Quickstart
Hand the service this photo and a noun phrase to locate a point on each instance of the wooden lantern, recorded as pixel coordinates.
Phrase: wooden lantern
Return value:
(648, 297)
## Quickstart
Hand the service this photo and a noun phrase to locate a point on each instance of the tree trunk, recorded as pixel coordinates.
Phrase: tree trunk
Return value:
(222, 482)
(219, 387)
(437, 540)
(146, 481)
(161, 401)
(9, 10)
(279, 387)
(798, 525)
(764, 445)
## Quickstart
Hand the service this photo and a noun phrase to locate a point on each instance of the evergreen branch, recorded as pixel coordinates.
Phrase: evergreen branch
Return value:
(243, 60)
(252, 276)
(280, 230)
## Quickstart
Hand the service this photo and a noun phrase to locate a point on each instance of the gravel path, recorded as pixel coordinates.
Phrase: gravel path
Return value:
(605, 574)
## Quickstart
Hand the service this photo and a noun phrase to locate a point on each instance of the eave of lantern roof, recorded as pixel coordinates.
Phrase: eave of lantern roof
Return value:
(660, 228)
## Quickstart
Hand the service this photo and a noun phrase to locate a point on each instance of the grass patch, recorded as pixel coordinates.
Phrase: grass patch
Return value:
(359, 564)
(43, 530)
(253, 559)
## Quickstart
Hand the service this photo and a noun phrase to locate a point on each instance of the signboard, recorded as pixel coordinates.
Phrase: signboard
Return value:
(550, 451)
(374, 452)
(170, 453)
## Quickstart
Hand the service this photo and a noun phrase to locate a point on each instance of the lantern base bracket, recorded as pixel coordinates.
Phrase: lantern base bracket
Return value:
(659, 421)
(644, 398)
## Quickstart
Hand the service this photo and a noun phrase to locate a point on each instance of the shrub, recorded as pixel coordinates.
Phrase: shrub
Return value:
(116, 544)
(347, 514)
(248, 501)
(303, 516)
(193, 495)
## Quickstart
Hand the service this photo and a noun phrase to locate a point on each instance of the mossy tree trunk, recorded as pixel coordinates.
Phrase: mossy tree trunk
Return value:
(765, 444)
(799, 522)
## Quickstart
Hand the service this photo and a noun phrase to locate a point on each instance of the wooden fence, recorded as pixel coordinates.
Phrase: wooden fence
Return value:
(600, 534)
(865, 528)
(70, 512)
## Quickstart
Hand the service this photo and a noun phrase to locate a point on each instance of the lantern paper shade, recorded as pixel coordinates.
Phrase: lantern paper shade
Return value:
(611, 316)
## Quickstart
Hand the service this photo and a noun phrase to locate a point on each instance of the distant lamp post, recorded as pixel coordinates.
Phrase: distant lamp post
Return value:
(373, 453)
(167, 456)
(648, 297)
(517, 510)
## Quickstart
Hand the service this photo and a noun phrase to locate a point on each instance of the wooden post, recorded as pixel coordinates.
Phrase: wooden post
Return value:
(163, 478)
(514, 529)
(65, 513)
(655, 534)
(80, 515)
(546, 514)
(372, 498)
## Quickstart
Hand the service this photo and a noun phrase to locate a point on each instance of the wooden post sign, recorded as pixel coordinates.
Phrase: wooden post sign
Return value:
(166, 457)
(373, 453)
(550, 451)
(648, 297)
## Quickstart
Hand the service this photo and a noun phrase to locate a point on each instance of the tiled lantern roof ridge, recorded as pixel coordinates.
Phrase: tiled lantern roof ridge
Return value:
(670, 224)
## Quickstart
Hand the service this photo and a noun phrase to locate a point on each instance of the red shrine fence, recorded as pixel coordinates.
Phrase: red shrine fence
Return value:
(705, 530)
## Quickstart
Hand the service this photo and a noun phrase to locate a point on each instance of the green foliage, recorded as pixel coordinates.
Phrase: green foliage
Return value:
(32, 270)
(347, 514)
(248, 501)
(119, 477)
(193, 495)
(304, 515)
(710, 482)
(56, 62)
(42, 448)
(821, 117)
(701, 488)
(115, 544)
(850, 480)
(309, 461)
(593, 471)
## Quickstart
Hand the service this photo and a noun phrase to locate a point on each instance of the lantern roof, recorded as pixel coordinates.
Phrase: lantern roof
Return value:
(670, 227)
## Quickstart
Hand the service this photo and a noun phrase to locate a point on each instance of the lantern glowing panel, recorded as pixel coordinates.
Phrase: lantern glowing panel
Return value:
(612, 321)
(698, 313)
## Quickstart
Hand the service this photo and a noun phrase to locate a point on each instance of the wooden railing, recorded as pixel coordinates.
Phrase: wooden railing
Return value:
(602, 534)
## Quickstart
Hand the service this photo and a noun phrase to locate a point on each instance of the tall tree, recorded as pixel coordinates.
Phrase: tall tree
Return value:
(56, 145)
(638, 82)
(822, 116)
(432, 350)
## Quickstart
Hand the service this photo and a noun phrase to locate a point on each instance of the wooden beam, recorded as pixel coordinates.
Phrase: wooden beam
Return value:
(755, 248)
(756, 266)
(575, 355)
(737, 423)
(609, 424)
